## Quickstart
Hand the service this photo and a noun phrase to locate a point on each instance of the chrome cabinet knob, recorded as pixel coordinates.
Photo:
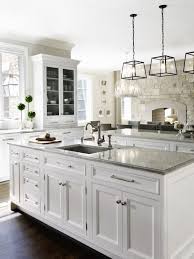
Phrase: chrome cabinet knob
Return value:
(118, 202)
(123, 203)
(60, 183)
(63, 184)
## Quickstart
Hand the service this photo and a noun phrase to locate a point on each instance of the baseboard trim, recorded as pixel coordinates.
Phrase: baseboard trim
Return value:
(186, 251)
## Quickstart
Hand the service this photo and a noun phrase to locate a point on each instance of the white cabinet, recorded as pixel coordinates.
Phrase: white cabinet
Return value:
(125, 223)
(4, 155)
(30, 187)
(15, 180)
(75, 205)
(140, 227)
(107, 217)
(55, 90)
(54, 190)
(65, 200)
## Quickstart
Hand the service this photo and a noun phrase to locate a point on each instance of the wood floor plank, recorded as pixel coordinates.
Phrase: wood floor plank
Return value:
(22, 237)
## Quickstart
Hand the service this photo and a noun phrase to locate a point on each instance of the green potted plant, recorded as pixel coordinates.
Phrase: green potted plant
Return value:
(21, 107)
(29, 99)
(31, 116)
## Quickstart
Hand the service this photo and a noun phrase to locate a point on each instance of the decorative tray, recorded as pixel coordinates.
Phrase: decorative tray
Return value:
(46, 139)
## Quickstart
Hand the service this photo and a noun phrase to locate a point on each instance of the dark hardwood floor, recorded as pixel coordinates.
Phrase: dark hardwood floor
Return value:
(22, 237)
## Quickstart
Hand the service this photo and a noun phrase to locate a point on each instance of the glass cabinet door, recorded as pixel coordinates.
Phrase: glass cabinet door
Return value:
(68, 92)
(52, 78)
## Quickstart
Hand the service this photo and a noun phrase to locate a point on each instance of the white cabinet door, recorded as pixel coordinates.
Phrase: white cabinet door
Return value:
(140, 227)
(15, 181)
(75, 205)
(53, 196)
(107, 218)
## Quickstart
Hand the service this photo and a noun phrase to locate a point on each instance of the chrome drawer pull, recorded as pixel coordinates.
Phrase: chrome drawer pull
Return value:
(31, 157)
(7, 139)
(14, 153)
(122, 179)
(36, 185)
(63, 184)
(118, 202)
(70, 166)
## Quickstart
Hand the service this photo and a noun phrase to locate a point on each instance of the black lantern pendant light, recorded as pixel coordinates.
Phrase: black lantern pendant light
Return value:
(133, 70)
(189, 63)
(163, 65)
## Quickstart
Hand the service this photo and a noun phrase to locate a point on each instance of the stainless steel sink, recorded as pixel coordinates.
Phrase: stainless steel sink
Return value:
(84, 149)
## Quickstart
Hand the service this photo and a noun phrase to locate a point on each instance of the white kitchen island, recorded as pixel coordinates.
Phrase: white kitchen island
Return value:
(130, 203)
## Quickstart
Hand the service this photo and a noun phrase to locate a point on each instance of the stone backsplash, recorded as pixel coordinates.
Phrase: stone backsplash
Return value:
(178, 89)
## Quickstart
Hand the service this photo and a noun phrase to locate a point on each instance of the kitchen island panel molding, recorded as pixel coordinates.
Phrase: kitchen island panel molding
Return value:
(145, 225)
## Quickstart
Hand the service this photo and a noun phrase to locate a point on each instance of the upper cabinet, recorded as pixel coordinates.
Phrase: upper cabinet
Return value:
(55, 90)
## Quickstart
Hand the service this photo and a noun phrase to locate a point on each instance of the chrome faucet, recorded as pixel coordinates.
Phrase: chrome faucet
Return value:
(100, 139)
(89, 123)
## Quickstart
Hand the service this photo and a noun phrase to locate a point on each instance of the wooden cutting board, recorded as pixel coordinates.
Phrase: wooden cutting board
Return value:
(44, 142)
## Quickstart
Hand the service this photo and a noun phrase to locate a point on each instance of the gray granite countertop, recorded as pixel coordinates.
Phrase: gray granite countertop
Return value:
(148, 134)
(161, 162)
(14, 131)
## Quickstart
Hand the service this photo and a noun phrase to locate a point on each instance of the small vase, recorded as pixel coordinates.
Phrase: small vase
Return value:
(29, 124)
(22, 126)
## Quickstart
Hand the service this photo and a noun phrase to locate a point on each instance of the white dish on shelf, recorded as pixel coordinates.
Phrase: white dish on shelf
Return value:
(53, 102)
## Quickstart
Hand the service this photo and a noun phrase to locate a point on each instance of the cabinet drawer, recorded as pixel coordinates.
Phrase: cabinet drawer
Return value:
(31, 156)
(30, 169)
(14, 153)
(30, 202)
(127, 179)
(31, 185)
(72, 165)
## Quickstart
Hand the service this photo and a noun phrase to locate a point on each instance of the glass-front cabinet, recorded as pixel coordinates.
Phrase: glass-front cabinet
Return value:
(68, 92)
(55, 100)
(52, 86)
(60, 88)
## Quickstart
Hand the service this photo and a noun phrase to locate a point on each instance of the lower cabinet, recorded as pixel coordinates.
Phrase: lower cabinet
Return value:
(121, 222)
(15, 180)
(125, 223)
(107, 217)
(140, 227)
(65, 201)
(53, 196)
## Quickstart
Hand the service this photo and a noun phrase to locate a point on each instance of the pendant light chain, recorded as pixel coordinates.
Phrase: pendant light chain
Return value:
(162, 31)
(133, 27)
(133, 69)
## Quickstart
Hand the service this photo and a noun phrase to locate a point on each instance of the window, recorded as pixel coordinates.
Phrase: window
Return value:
(126, 109)
(84, 100)
(12, 71)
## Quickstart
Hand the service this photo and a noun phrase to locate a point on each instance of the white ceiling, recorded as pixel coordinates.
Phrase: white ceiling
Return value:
(100, 29)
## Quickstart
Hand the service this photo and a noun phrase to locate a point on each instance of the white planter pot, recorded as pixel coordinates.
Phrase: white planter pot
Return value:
(29, 124)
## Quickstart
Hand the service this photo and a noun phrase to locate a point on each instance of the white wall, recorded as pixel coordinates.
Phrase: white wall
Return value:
(103, 96)
(46, 46)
